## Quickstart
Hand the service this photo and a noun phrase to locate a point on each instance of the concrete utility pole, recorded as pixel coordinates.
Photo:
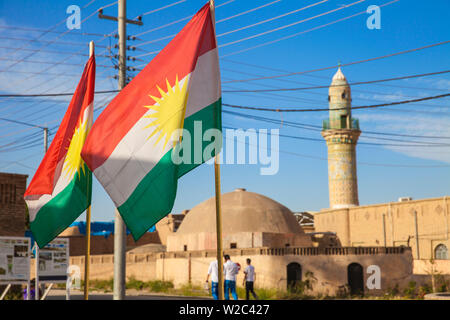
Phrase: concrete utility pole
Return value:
(119, 226)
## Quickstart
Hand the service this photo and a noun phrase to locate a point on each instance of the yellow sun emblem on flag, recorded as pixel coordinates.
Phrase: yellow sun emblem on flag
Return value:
(169, 109)
(73, 161)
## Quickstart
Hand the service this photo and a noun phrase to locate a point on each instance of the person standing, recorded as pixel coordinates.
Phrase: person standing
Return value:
(230, 271)
(249, 280)
(214, 273)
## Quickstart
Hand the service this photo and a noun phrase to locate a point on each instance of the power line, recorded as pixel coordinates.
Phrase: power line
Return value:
(51, 42)
(349, 84)
(217, 22)
(281, 89)
(270, 19)
(162, 8)
(302, 32)
(67, 43)
(55, 51)
(177, 21)
(317, 128)
(247, 11)
(291, 24)
(50, 62)
(51, 31)
(343, 65)
(22, 123)
(328, 109)
(326, 159)
(50, 94)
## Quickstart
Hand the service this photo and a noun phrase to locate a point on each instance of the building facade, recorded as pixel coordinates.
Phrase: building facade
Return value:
(13, 210)
(422, 225)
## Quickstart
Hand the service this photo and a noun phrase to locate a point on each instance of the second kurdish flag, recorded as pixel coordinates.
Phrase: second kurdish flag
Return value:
(129, 148)
(61, 187)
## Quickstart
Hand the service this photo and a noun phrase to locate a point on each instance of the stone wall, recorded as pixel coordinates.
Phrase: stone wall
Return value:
(395, 222)
(12, 206)
(208, 241)
(329, 266)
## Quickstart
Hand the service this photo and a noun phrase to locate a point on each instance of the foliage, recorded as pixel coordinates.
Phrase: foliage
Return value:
(190, 290)
(410, 291)
(263, 294)
(392, 292)
(423, 290)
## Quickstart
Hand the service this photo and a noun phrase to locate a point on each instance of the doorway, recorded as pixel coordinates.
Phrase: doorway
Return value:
(355, 278)
(294, 275)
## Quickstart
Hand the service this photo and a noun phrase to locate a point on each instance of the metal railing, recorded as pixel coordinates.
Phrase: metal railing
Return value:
(354, 124)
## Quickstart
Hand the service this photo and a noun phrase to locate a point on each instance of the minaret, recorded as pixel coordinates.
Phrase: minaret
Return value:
(341, 133)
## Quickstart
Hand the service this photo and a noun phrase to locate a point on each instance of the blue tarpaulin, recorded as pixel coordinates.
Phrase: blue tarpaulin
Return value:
(100, 228)
(97, 229)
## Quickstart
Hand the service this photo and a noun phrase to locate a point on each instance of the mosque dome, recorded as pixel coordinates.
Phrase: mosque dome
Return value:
(339, 77)
(242, 211)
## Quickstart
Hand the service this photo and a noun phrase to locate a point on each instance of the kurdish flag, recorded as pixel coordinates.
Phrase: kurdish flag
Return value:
(61, 187)
(130, 146)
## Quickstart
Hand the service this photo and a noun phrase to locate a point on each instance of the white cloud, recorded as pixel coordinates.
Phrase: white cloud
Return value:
(411, 124)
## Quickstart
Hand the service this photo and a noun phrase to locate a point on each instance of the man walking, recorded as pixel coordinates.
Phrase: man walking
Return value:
(249, 280)
(214, 273)
(230, 271)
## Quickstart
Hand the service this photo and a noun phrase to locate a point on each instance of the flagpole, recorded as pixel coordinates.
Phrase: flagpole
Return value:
(87, 258)
(36, 252)
(218, 203)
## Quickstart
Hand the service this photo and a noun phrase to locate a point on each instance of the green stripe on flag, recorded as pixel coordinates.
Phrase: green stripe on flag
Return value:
(61, 211)
(155, 195)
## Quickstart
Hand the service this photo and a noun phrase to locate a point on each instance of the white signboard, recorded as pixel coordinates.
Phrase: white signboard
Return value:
(14, 260)
(54, 261)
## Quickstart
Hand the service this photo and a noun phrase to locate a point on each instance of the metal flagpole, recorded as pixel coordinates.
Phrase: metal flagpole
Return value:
(87, 258)
(218, 203)
(36, 257)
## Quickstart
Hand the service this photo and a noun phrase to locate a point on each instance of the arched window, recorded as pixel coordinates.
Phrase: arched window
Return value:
(344, 95)
(441, 252)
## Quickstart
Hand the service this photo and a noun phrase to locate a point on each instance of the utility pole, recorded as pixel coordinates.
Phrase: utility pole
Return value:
(36, 257)
(119, 226)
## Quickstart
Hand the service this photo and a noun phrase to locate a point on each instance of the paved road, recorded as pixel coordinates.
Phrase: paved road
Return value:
(58, 294)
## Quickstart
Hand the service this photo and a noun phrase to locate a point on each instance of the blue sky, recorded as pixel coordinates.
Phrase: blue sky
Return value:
(385, 172)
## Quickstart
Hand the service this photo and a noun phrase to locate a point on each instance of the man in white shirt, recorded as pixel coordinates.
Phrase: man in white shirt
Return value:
(214, 273)
(249, 280)
(230, 271)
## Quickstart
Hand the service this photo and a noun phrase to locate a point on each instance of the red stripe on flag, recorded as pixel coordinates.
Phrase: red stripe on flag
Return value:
(177, 59)
(48, 172)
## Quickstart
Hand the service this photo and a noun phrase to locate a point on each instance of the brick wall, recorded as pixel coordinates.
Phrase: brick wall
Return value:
(101, 245)
(12, 206)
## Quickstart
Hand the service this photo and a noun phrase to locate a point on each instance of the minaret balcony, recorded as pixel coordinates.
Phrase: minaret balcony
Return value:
(340, 124)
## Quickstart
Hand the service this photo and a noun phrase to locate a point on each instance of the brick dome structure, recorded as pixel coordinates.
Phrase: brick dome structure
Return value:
(248, 220)
(242, 211)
